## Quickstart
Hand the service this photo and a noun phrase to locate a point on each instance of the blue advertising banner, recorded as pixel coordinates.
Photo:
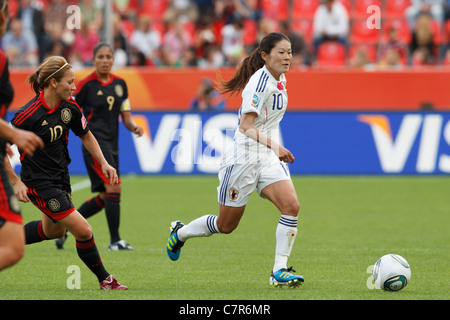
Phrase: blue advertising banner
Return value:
(322, 143)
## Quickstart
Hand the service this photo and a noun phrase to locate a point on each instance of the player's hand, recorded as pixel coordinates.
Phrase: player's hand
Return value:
(20, 190)
(285, 155)
(138, 130)
(27, 141)
(110, 173)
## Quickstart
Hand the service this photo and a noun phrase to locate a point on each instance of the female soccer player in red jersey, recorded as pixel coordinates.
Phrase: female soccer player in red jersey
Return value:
(12, 239)
(45, 179)
(104, 98)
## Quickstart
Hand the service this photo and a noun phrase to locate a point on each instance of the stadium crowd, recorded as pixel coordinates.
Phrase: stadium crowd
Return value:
(215, 33)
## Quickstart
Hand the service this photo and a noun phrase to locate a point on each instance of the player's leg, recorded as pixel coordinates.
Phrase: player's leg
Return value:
(112, 211)
(233, 193)
(203, 226)
(283, 195)
(12, 243)
(87, 249)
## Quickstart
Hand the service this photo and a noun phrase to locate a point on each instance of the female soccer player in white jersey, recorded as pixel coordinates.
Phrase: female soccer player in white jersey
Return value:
(256, 160)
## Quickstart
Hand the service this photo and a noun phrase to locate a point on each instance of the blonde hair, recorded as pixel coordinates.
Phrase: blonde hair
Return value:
(51, 68)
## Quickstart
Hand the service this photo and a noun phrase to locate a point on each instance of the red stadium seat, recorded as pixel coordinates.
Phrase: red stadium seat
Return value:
(360, 8)
(275, 9)
(305, 27)
(395, 9)
(360, 33)
(154, 8)
(302, 9)
(347, 4)
(331, 53)
(250, 31)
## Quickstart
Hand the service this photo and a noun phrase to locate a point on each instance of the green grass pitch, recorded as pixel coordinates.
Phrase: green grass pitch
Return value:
(346, 223)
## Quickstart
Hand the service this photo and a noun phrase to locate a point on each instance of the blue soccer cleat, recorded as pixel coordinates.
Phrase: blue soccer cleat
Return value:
(284, 277)
(173, 244)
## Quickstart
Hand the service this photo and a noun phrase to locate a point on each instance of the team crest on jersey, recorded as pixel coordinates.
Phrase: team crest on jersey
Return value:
(54, 204)
(119, 90)
(66, 115)
(233, 194)
(255, 101)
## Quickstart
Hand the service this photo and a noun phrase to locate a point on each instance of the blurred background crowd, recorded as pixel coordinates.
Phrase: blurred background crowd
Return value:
(216, 33)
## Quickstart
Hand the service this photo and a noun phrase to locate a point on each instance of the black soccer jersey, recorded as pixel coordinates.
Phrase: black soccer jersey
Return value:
(6, 95)
(49, 166)
(102, 104)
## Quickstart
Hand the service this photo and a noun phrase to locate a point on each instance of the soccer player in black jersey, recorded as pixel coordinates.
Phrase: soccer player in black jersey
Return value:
(12, 239)
(103, 97)
(45, 179)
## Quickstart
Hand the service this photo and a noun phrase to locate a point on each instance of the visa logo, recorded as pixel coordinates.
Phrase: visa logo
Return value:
(393, 151)
(188, 133)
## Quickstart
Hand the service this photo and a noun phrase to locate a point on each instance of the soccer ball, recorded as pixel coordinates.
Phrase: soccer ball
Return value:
(391, 272)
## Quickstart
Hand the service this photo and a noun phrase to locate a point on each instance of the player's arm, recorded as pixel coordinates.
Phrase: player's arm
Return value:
(93, 147)
(247, 127)
(129, 123)
(20, 189)
(26, 141)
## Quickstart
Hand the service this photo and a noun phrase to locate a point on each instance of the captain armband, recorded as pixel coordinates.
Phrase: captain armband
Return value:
(125, 105)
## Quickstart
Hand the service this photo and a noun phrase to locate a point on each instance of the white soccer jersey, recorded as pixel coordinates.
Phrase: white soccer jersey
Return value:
(267, 97)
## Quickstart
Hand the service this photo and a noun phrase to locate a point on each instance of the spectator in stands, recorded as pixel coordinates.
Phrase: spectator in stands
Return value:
(30, 14)
(86, 38)
(146, 41)
(20, 46)
(246, 9)
(390, 60)
(265, 26)
(213, 58)
(92, 13)
(421, 57)
(205, 7)
(207, 98)
(360, 60)
(186, 10)
(128, 9)
(435, 8)
(55, 17)
(120, 55)
(176, 41)
(393, 43)
(422, 40)
(331, 23)
(204, 36)
(233, 42)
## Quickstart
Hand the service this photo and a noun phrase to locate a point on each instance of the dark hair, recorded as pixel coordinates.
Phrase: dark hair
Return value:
(51, 68)
(4, 6)
(102, 44)
(250, 64)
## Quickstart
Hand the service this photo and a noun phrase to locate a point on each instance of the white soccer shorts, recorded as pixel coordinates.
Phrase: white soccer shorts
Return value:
(238, 181)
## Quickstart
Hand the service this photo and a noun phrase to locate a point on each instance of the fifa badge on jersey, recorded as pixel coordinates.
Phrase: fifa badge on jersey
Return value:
(255, 101)
(66, 115)
(233, 194)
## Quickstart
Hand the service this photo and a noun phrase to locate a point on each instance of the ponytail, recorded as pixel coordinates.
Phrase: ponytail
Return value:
(250, 64)
(51, 67)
